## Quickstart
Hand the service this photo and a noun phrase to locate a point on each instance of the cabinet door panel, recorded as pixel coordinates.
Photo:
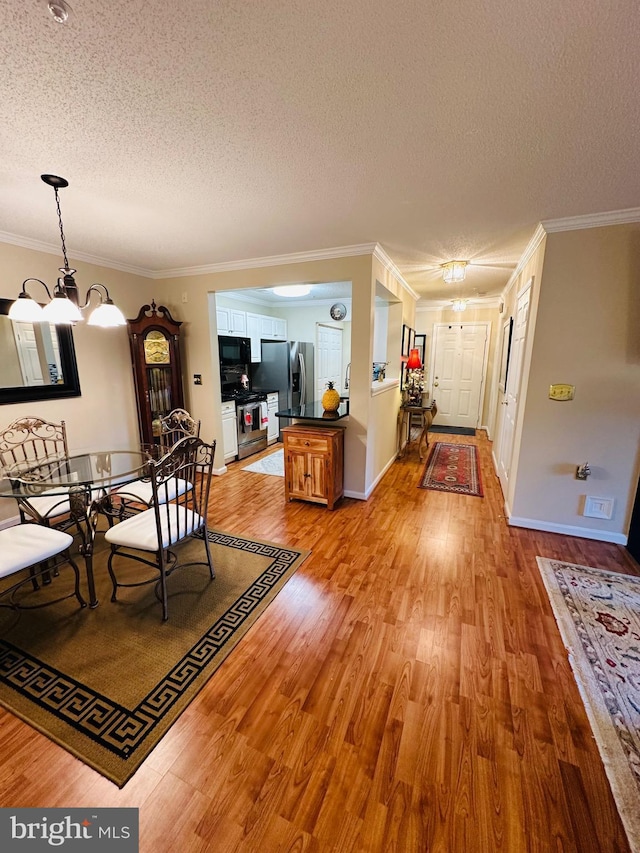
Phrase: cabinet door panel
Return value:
(298, 474)
(229, 436)
(279, 329)
(317, 482)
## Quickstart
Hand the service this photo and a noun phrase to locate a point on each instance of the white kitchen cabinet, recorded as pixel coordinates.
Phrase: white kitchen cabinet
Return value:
(229, 431)
(231, 322)
(279, 329)
(273, 427)
(266, 327)
(254, 331)
(263, 327)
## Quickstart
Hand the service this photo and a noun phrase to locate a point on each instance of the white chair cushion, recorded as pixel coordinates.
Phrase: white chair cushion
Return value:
(142, 491)
(28, 544)
(140, 531)
(50, 504)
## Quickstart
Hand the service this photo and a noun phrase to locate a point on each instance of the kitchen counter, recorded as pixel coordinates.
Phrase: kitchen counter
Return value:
(314, 412)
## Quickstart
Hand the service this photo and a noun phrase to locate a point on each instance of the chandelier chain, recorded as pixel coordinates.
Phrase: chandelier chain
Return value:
(64, 246)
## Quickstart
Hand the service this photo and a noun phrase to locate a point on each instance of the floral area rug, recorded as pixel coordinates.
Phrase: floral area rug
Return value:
(598, 614)
(452, 468)
(271, 464)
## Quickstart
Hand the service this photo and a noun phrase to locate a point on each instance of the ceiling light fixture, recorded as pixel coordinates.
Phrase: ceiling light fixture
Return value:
(292, 290)
(454, 271)
(64, 307)
(59, 11)
(459, 304)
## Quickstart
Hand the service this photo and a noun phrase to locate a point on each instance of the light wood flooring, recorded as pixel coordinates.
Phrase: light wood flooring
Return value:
(407, 691)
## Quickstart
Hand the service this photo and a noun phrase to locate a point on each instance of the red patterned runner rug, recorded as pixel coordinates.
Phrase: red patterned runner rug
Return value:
(452, 468)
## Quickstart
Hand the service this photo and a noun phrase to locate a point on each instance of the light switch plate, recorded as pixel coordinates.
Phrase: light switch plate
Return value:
(562, 392)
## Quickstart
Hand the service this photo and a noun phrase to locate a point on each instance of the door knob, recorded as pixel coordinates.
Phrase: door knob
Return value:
(436, 384)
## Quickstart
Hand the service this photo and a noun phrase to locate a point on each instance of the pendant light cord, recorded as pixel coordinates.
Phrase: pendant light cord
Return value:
(64, 246)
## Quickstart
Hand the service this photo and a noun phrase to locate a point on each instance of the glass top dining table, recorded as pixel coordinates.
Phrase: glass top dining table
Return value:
(88, 478)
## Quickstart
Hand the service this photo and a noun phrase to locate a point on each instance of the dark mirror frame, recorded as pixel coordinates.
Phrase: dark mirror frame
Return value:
(69, 388)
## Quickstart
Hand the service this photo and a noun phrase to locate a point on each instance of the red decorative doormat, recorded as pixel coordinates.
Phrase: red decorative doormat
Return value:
(452, 468)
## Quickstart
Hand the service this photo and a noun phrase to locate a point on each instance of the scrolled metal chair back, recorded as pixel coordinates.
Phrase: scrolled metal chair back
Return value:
(174, 426)
(31, 439)
(182, 478)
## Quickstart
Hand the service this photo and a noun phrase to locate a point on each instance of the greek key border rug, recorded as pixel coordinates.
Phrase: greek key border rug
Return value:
(107, 684)
(598, 614)
(452, 468)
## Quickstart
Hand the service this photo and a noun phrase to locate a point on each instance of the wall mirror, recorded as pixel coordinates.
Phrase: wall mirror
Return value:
(38, 360)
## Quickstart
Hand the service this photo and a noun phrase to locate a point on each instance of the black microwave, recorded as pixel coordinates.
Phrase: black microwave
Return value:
(233, 350)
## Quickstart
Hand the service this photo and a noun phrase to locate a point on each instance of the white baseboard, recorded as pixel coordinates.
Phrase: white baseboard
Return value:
(9, 522)
(568, 530)
(363, 496)
(358, 496)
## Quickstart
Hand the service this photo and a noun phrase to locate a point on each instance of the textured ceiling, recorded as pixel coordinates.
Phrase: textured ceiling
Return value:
(207, 132)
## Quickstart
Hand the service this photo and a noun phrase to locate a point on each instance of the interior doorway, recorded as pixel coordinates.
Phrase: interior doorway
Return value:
(328, 358)
(459, 358)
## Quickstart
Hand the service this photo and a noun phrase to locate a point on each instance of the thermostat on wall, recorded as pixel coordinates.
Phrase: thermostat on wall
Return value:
(562, 392)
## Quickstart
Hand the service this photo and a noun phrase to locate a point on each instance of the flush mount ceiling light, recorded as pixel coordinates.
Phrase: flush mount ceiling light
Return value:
(64, 307)
(59, 11)
(454, 271)
(459, 304)
(292, 290)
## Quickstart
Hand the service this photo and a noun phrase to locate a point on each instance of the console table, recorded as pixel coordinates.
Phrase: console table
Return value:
(426, 415)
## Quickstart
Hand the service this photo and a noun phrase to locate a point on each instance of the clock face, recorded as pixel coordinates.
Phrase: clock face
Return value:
(338, 311)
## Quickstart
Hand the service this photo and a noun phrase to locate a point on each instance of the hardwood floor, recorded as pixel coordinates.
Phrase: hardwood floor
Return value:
(407, 691)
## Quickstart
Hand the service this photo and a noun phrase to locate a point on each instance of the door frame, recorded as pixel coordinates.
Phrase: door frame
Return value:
(498, 449)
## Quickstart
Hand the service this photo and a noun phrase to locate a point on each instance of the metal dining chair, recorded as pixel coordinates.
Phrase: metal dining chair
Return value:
(33, 549)
(176, 425)
(176, 514)
(138, 495)
(28, 441)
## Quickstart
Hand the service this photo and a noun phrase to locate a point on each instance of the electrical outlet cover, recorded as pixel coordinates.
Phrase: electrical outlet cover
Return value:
(598, 507)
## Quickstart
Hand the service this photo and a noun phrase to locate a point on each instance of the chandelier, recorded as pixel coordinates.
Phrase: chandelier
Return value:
(454, 271)
(64, 305)
(458, 304)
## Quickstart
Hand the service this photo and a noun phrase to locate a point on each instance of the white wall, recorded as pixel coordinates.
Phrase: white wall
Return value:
(361, 456)
(105, 415)
(586, 334)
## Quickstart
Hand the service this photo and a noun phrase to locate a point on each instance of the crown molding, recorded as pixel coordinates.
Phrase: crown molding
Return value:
(592, 220)
(472, 302)
(538, 236)
(271, 261)
(49, 249)
(380, 255)
(228, 266)
(248, 296)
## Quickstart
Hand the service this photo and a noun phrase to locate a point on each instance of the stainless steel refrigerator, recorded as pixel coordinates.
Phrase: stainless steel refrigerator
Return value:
(286, 367)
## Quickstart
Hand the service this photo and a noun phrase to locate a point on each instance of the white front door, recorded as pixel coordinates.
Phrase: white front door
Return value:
(512, 391)
(328, 359)
(459, 359)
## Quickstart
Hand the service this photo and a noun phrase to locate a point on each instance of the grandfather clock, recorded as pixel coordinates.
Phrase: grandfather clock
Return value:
(154, 337)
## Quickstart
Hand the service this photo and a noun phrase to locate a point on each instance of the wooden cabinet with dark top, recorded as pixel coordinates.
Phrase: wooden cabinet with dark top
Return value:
(313, 463)
(155, 353)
